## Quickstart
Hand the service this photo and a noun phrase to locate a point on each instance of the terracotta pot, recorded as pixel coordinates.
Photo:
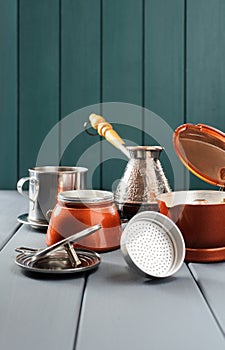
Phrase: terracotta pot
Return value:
(77, 210)
(200, 215)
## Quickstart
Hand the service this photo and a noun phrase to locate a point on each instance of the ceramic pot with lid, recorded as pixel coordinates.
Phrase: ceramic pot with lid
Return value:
(79, 209)
(200, 215)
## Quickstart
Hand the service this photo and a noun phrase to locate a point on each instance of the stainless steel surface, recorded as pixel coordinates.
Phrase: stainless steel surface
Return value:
(153, 245)
(23, 219)
(85, 196)
(143, 179)
(44, 185)
(59, 262)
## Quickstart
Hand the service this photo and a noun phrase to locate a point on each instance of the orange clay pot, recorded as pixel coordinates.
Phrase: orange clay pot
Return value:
(77, 210)
(200, 215)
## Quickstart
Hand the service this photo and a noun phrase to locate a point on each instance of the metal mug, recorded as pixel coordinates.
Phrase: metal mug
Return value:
(44, 185)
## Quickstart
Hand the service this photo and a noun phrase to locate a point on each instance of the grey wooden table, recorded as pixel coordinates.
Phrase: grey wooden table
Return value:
(111, 308)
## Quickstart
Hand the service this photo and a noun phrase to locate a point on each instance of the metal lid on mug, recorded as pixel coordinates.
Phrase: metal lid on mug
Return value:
(201, 148)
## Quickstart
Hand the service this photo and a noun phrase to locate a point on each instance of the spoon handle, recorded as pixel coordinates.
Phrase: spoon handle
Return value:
(105, 129)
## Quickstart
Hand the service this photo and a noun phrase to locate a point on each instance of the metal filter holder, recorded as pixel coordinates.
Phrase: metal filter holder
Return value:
(61, 257)
(153, 245)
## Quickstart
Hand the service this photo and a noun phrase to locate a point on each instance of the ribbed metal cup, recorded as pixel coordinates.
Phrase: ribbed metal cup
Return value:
(44, 185)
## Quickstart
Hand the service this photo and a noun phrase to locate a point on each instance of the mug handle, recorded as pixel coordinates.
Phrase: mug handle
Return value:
(20, 184)
(34, 181)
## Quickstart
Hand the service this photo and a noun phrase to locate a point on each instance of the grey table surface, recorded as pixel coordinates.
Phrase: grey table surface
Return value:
(12, 204)
(111, 308)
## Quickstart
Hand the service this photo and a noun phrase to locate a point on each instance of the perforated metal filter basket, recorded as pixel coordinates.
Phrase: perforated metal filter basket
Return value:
(153, 245)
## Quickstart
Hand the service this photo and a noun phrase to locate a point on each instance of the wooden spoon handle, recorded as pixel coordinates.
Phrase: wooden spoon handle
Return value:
(105, 129)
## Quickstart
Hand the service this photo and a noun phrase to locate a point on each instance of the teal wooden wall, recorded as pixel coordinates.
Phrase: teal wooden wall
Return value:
(58, 56)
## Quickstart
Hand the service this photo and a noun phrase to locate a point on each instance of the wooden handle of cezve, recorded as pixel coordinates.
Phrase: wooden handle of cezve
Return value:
(105, 129)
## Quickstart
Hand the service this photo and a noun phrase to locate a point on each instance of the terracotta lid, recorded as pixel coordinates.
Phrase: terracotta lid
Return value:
(201, 148)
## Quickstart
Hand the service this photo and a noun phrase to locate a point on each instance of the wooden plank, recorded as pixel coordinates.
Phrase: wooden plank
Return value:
(8, 93)
(205, 66)
(122, 310)
(164, 59)
(122, 51)
(39, 79)
(80, 88)
(164, 80)
(41, 310)
(121, 79)
(11, 204)
(211, 281)
(80, 54)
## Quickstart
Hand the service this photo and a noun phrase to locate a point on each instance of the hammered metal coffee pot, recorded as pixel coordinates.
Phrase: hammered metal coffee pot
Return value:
(142, 182)
(143, 179)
